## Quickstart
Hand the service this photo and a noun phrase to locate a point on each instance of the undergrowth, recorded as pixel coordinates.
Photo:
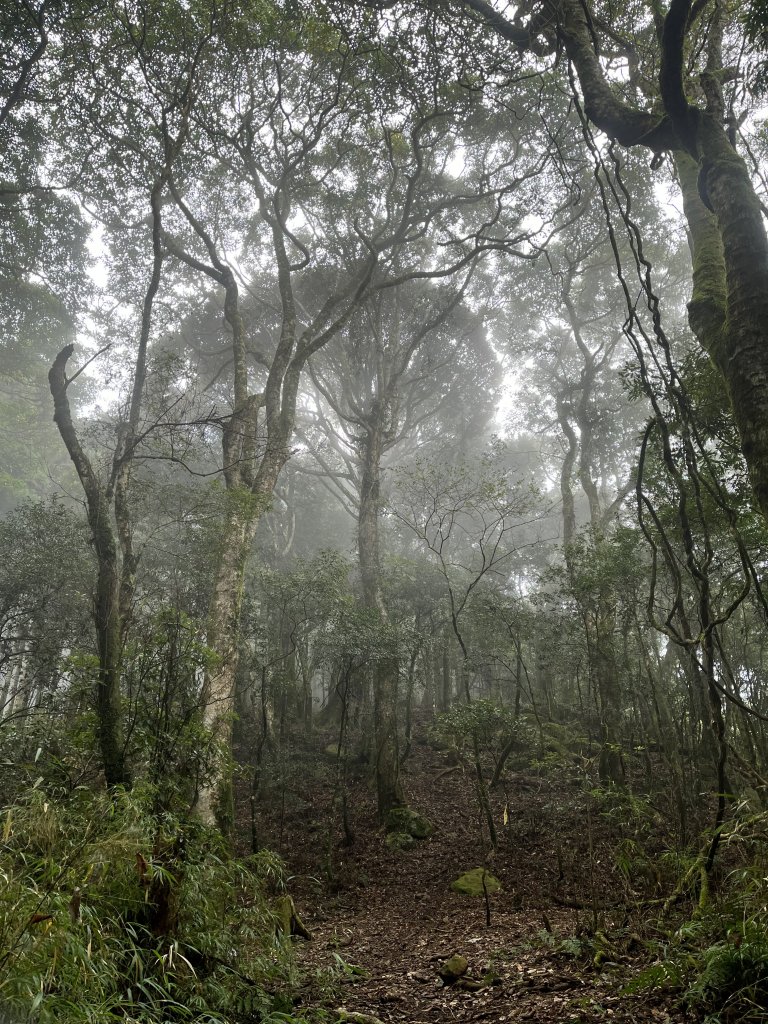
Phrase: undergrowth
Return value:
(718, 960)
(111, 912)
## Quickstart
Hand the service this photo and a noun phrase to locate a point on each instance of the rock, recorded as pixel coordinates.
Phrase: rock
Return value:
(404, 819)
(350, 1017)
(471, 882)
(453, 969)
(401, 841)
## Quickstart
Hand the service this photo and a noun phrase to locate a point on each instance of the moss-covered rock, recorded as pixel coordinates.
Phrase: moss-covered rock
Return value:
(563, 740)
(404, 819)
(401, 841)
(453, 969)
(353, 1017)
(471, 883)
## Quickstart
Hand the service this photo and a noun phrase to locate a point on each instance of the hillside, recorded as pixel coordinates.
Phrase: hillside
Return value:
(568, 928)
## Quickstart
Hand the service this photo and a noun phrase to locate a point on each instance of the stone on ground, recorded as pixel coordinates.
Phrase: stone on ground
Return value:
(471, 882)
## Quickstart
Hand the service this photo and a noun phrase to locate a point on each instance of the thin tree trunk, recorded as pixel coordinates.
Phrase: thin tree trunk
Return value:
(385, 674)
(106, 609)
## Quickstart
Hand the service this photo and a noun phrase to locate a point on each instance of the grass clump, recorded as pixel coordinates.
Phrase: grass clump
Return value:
(111, 912)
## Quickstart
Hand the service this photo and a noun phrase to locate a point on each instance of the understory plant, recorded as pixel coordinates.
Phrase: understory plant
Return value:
(493, 726)
(718, 960)
(111, 912)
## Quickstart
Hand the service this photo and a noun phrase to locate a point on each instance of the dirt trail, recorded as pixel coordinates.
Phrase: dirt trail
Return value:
(393, 920)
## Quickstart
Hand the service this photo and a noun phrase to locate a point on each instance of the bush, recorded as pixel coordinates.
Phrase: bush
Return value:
(732, 983)
(718, 960)
(492, 725)
(108, 912)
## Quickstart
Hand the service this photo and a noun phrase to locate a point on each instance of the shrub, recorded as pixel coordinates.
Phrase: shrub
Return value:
(492, 725)
(732, 981)
(109, 912)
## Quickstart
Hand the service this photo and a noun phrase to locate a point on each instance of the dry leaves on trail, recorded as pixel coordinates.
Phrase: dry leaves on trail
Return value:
(390, 920)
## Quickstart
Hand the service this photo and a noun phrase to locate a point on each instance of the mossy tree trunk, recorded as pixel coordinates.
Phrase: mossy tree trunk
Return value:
(214, 801)
(729, 306)
(109, 518)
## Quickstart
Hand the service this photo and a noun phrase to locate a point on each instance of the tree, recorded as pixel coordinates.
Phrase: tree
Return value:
(417, 355)
(728, 311)
(295, 129)
(384, 378)
(579, 374)
(43, 610)
(130, 83)
(469, 524)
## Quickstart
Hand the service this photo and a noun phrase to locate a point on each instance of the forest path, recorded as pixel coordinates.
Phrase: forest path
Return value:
(391, 919)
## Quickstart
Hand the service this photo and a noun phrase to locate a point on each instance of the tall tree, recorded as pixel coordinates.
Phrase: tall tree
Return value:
(687, 111)
(295, 130)
(388, 374)
(127, 187)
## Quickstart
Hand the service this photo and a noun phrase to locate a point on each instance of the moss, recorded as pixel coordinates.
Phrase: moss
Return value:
(562, 740)
(401, 841)
(471, 883)
(403, 819)
(706, 310)
(453, 969)
(288, 922)
(284, 913)
(352, 1017)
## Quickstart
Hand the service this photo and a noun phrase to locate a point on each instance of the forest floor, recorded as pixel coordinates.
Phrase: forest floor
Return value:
(561, 944)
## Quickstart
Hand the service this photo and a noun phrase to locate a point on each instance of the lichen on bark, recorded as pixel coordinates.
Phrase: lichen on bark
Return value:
(707, 306)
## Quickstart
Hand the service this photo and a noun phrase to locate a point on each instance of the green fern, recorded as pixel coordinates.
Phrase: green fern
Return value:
(661, 974)
(733, 981)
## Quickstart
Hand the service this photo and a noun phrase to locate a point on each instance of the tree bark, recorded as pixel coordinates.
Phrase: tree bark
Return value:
(214, 803)
(385, 672)
(106, 607)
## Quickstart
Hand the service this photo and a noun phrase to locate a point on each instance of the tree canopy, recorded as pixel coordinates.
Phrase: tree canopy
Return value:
(376, 378)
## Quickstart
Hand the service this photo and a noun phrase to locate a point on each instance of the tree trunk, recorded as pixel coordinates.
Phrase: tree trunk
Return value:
(106, 607)
(728, 311)
(214, 801)
(385, 675)
(729, 307)
(109, 636)
(446, 691)
(603, 657)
